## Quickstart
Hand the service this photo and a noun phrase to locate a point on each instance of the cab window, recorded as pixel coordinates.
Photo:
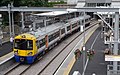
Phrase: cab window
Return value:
(23, 44)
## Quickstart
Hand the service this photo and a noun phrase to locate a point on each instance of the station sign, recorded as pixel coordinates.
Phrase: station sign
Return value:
(112, 57)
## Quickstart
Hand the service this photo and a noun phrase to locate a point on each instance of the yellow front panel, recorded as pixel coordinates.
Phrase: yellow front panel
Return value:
(24, 52)
(35, 50)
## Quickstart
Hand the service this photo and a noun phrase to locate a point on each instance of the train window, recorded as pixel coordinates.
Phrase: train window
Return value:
(29, 44)
(23, 44)
(85, 20)
(37, 43)
(82, 21)
(48, 23)
(50, 38)
(74, 25)
(42, 42)
(53, 36)
(78, 22)
(57, 34)
(57, 19)
(63, 31)
(41, 25)
(68, 28)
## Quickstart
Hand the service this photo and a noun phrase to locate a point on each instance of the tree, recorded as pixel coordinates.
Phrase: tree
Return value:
(4, 2)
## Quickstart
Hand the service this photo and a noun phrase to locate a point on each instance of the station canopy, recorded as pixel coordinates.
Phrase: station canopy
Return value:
(53, 13)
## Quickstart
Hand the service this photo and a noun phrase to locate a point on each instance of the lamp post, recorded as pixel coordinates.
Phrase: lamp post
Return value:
(22, 20)
(83, 44)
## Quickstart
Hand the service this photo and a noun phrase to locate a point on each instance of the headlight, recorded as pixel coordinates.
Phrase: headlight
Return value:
(16, 52)
(30, 53)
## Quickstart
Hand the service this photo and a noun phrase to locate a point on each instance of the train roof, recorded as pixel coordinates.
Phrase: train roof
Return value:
(46, 30)
(79, 18)
(53, 13)
(49, 29)
(25, 35)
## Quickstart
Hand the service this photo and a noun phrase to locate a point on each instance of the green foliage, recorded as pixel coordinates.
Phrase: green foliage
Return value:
(51, 4)
(29, 3)
(33, 3)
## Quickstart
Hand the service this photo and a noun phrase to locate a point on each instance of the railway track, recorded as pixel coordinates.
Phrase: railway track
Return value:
(20, 68)
(38, 67)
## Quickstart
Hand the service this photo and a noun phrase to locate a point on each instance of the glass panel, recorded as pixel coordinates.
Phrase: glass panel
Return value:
(23, 44)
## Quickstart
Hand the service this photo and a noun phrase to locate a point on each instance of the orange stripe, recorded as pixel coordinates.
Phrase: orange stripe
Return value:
(46, 39)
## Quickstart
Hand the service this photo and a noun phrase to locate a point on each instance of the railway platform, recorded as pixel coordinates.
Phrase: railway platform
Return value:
(5, 51)
(96, 65)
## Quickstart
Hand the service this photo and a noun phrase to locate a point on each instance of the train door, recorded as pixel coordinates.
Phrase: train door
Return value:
(35, 49)
(60, 34)
(46, 41)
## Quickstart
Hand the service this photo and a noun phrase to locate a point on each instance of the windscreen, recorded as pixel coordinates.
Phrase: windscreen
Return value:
(23, 44)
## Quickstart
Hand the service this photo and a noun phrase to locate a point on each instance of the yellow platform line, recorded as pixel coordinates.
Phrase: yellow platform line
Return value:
(69, 67)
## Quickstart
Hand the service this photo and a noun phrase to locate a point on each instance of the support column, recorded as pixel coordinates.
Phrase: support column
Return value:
(22, 20)
(45, 24)
(115, 49)
(9, 19)
(13, 33)
(84, 60)
(34, 27)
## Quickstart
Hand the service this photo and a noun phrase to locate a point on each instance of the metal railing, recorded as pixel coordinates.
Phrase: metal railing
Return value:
(110, 70)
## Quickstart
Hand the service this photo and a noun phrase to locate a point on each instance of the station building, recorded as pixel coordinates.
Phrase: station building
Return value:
(95, 3)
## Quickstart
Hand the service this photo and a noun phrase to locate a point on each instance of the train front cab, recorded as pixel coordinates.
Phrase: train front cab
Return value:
(25, 50)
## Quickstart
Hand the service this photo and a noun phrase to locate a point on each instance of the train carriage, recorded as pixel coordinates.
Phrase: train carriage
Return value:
(29, 45)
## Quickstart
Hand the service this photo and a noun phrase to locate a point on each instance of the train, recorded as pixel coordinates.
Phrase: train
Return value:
(28, 46)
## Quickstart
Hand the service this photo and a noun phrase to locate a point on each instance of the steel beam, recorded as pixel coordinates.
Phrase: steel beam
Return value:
(22, 20)
(4, 8)
(25, 9)
(86, 9)
(105, 22)
(13, 30)
(116, 29)
(9, 20)
(97, 9)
